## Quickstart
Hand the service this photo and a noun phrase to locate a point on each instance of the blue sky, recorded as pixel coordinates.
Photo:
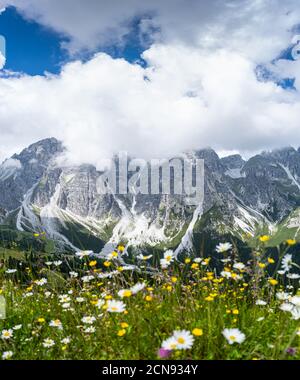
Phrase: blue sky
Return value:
(33, 49)
(30, 48)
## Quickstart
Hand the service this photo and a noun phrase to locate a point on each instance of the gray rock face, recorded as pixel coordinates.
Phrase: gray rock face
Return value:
(39, 195)
(19, 173)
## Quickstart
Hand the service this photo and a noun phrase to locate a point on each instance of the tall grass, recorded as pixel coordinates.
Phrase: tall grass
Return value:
(187, 294)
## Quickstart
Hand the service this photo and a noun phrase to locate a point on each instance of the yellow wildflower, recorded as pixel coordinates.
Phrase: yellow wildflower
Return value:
(197, 332)
(291, 242)
(121, 332)
(264, 238)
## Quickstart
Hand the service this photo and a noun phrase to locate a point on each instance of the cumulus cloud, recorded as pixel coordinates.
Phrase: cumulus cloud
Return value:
(258, 28)
(199, 87)
(184, 99)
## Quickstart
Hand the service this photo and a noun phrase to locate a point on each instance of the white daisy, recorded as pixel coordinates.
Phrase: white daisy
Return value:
(64, 298)
(57, 263)
(169, 256)
(89, 330)
(223, 247)
(286, 262)
(144, 258)
(114, 306)
(87, 278)
(226, 274)
(137, 287)
(164, 263)
(66, 340)
(261, 303)
(286, 306)
(233, 336)
(73, 274)
(295, 300)
(184, 339)
(124, 293)
(239, 266)
(83, 254)
(282, 296)
(80, 299)
(7, 355)
(47, 343)
(17, 327)
(198, 260)
(169, 344)
(226, 260)
(112, 256)
(41, 282)
(88, 320)
(7, 334)
(48, 263)
(11, 271)
(109, 275)
(28, 294)
(296, 313)
(100, 304)
(293, 276)
(56, 323)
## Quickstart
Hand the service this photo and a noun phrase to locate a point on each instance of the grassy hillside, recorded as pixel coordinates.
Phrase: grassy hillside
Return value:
(221, 307)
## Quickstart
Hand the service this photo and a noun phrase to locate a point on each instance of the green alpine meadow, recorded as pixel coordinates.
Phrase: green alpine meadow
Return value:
(123, 307)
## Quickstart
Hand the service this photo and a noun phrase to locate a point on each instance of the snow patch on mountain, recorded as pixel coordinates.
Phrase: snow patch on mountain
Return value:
(26, 218)
(186, 243)
(290, 175)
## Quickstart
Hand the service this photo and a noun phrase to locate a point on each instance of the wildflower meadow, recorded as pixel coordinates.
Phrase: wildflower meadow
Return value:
(121, 307)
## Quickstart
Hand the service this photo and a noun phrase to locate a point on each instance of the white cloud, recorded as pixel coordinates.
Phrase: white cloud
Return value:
(257, 28)
(190, 99)
(199, 89)
(11, 163)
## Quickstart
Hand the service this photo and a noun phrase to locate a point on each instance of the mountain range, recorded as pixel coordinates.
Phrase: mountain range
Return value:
(241, 198)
